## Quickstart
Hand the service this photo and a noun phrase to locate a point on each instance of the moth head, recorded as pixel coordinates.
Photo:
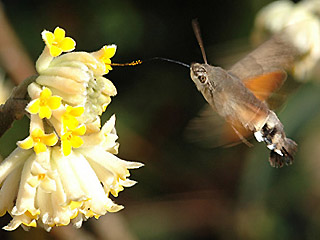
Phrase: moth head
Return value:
(200, 75)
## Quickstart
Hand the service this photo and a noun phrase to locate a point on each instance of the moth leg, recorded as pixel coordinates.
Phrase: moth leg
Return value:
(242, 138)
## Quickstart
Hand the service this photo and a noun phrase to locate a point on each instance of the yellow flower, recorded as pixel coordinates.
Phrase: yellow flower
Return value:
(69, 175)
(50, 189)
(106, 137)
(69, 117)
(57, 42)
(44, 104)
(107, 52)
(38, 140)
(71, 139)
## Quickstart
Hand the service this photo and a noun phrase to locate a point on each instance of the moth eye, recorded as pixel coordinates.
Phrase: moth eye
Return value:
(202, 78)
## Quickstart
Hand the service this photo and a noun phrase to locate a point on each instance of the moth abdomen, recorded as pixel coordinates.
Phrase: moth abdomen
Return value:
(279, 158)
(282, 148)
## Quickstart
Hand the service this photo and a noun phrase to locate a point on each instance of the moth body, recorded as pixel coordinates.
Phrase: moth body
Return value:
(232, 100)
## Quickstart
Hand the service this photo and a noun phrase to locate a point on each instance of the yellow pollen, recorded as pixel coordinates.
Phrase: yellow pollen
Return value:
(37, 139)
(68, 135)
(43, 102)
(41, 176)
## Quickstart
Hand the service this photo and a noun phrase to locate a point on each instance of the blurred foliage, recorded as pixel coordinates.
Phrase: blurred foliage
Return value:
(184, 191)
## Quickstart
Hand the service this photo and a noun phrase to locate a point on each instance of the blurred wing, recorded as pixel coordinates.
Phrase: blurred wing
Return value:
(262, 86)
(263, 70)
(211, 130)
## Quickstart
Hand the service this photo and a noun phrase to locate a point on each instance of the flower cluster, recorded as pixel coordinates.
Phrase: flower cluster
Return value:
(301, 22)
(66, 169)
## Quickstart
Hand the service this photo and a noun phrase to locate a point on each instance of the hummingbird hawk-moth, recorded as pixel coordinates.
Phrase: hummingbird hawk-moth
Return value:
(239, 94)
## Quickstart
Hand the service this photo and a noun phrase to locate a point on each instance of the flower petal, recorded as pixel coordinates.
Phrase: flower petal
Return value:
(59, 34)
(8, 191)
(45, 93)
(55, 51)
(90, 184)
(67, 44)
(76, 141)
(45, 112)
(48, 37)
(66, 147)
(26, 194)
(80, 130)
(109, 88)
(54, 102)
(109, 51)
(40, 147)
(50, 140)
(63, 84)
(75, 111)
(26, 219)
(70, 123)
(67, 176)
(15, 159)
(34, 106)
(37, 132)
(26, 143)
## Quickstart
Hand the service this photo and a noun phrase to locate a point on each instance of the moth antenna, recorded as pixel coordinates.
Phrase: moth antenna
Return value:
(196, 30)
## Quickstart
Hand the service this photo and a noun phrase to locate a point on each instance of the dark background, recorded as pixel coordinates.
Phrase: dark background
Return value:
(184, 191)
